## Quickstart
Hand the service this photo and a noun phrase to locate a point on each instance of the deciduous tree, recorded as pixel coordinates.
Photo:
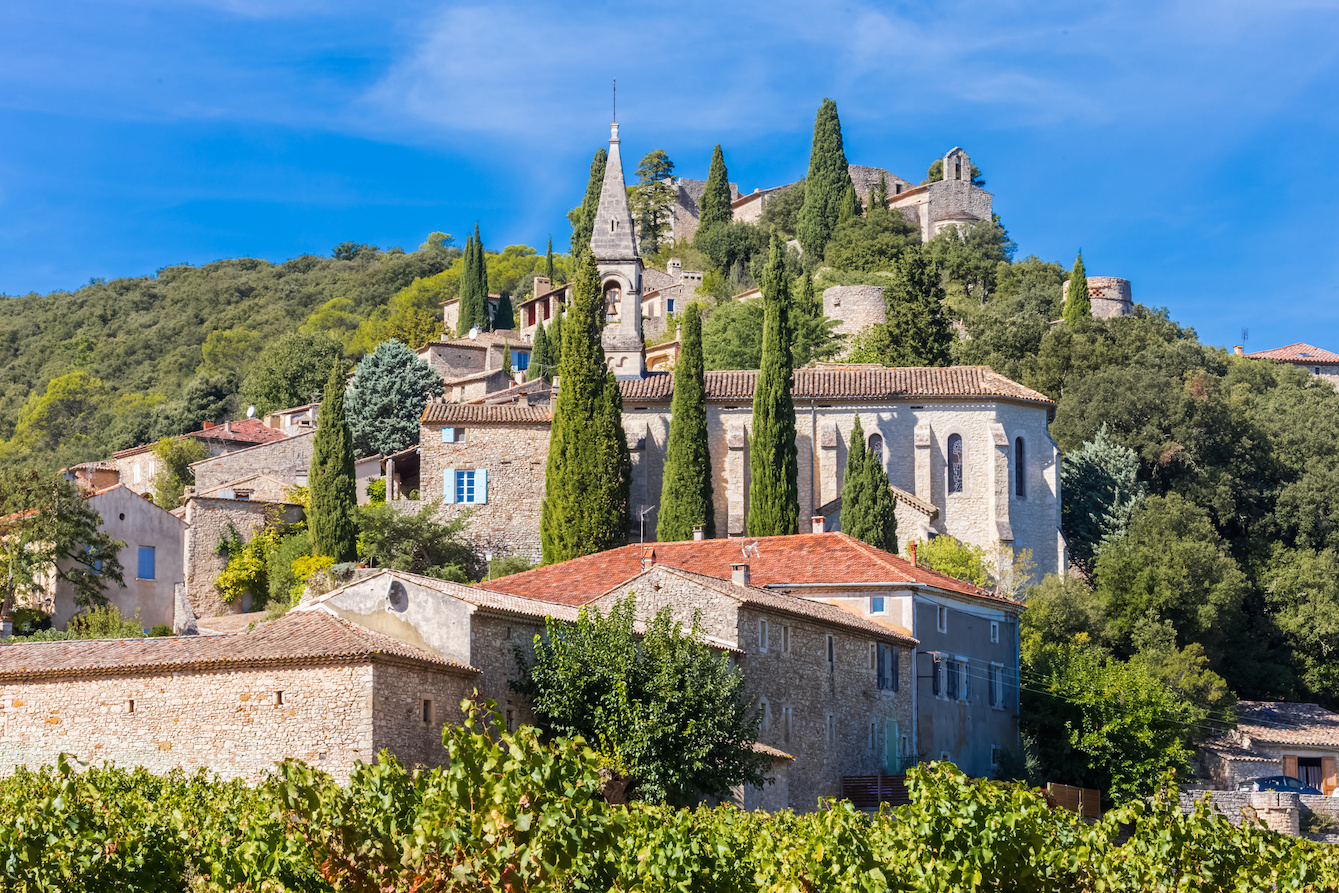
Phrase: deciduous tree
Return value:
(174, 456)
(290, 371)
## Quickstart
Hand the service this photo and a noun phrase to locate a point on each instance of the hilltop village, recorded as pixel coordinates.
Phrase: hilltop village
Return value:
(865, 648)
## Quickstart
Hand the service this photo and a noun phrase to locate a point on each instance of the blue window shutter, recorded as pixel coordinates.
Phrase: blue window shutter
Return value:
(448, 435)
(481, 486)
(146, 568)
(449, 485)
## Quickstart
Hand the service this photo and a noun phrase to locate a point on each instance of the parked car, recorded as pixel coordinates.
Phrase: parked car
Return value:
(1277, 783)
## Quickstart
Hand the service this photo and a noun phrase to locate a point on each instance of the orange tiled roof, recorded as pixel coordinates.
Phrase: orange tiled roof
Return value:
(304, 638)
(853, 381)
(1286, 723)
(252, 431)
(777, 561)
(474, 413)
(1301, 352)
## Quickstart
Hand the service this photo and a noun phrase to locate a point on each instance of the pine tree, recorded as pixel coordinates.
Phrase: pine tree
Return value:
(582, 217)
(334, 498)
(506, 359)
(1078, 303)
(586, 483)
(538, 355)
(685, 495)
(714, 206)
(773, 464)
(651, 201)
(857, 507)
(548, 262)
(825, 186)
(506, 316)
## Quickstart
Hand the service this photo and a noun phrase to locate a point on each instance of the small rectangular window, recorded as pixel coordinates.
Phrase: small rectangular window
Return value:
(993, 684)
(278, 699)
(873, 655)
(951, 688)
(766, 714)
(941, 618)
(130, 706)
(873, 738)
(832, 652)
(994, 631)
(465, 486)
(785, 639)
(762, 635)
(427, 710)
(936, 674)
(876, 604)
(669, 305)
(520, 361)
(788, 719)
(887, 667)
(146, 563)
(449, 435)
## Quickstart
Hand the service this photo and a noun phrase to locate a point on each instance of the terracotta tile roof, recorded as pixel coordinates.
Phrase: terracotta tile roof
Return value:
(535, 386)
(542, 295)
(250, 431)
(787, 604)
(296, 639)
(858, 381)
(1228, 749)
(774, 562)
(475, 413)
(1300, 352)
(1279, 722)
(480, 598)
(759, 747)
(229, 624)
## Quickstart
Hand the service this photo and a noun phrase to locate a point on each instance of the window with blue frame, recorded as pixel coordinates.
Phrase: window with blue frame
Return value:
(146, 562)
(464, 486)
(669, 305)
(520, 361)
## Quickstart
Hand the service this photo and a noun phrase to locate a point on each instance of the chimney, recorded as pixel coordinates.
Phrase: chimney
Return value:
(543, 284)
(911, 547)
(227, 427)
(739, 574)
(818, 522)
(648, 557)
(674, 267)
(1239, 350)
(209, 424)
(699, 533)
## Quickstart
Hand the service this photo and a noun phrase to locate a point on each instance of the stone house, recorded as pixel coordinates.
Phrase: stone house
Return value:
(137, 466)
(967, 451)
(957, 694)
(255, 472)
(1321, 363)
(295, 419)
(475, 361)
(152, 560)
(309, 686)
(210, 520)
(1276, 738)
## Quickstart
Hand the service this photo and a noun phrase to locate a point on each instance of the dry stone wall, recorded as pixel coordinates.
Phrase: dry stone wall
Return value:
(411, 705)
(209, 521)
(288, 460)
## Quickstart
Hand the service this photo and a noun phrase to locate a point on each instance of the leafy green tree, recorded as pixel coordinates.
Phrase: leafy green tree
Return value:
(1302, 593)
(733, 334)
(825, 186)
(539, 354)
(686, 494)
(868, 505)
(949, 555)
(417, 542)
(229, 351)
(586, 484)
(290, 371)
(731, 244)
(1171, 565)
(582, 217)
(49, 532)
(1078, 304)
(1100, 487)
(781, 210)
(1095, 721)
(970, 257)
(714, 206)
(671, 717)
(206, 398)
(917, 331)
(337, 317)
(871, 244)
(385, 401)
(63, 420)
(174, 456)
(504, 317)
(331, 513)
(773, 462)
(651, 200)
(354, 251)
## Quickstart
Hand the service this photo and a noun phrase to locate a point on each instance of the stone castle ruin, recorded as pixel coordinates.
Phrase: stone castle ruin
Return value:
(1110, 296)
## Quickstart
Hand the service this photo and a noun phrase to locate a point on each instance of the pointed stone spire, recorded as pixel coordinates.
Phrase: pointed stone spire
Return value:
(613, 236)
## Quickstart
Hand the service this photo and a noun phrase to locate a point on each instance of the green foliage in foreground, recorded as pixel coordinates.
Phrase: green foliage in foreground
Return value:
(514, 814)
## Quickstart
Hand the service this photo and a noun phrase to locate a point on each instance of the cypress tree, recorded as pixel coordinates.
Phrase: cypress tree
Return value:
(506, 316)
(554, 346)
(849, 206)
(810, 304)
(715, 204)
(857, 514)
(465, 297)
(506, 359)
(586, 483)
(582, 217)
(334, 498)
(1078, 303)
(548, 262)
(538, 355)
(883, 527)
(825, 186)
(685, 495)
(878, 196)
(482, 317)
(774, 507)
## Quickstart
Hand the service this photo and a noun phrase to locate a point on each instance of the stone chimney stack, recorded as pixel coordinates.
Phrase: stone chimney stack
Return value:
(1239, 350)
(674, 267)
(739, 574)
(542, 285)
(818, 522)
(648, 557)
(911, 547)
(699, 533)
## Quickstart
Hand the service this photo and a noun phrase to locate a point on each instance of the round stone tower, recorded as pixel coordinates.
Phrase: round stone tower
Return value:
(854, 307)
(1110, 296)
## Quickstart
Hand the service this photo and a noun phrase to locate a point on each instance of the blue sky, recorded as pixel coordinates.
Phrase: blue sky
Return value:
(1186, 146)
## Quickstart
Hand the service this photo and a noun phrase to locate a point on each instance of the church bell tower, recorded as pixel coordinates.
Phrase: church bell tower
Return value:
(615, 250)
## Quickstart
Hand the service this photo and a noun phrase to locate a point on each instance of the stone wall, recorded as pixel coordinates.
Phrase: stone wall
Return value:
(398, 707)
(288, 460)
(514, 455)
(228, 721)
(494, 639)
(209, 519)
(455, 360)
(855, 306)
(1109, 296)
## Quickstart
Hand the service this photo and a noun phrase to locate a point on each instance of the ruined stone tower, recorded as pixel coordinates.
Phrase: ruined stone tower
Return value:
(620, 270)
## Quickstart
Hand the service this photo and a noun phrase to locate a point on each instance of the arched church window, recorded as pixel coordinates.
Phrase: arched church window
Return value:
(876, 446)
(955, 463)
(1020, 470)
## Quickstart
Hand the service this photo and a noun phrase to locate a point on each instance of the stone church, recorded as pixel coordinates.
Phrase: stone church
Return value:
(967, 451)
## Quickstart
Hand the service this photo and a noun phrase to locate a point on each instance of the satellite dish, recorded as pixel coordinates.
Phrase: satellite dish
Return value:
(474, 333)
(251, 412)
